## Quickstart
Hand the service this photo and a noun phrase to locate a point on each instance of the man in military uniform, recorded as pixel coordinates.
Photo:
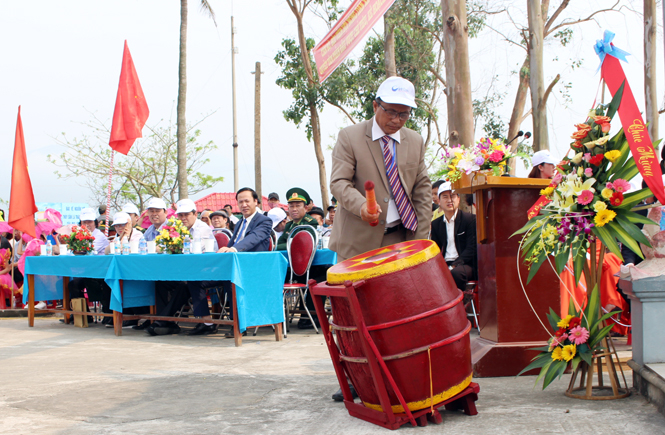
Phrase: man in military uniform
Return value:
(298, 200)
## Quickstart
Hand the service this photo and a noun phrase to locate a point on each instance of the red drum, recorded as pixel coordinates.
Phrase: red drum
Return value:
(415, 316)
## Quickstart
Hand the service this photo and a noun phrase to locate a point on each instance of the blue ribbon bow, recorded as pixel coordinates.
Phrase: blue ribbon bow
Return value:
(604, 46)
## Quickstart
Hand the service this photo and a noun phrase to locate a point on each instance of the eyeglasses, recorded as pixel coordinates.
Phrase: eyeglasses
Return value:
(392, 114)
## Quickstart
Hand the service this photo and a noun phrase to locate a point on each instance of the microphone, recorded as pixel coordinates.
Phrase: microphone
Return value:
(519, 134)
(527, 135)
(372, 206)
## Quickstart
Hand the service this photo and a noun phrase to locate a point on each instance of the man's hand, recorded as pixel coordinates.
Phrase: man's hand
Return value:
(366, 216)
(226, 249)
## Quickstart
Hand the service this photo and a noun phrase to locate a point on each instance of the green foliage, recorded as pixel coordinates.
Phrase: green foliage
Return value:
(149, 169)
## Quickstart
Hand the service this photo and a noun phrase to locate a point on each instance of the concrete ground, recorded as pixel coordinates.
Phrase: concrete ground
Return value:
(59, 379)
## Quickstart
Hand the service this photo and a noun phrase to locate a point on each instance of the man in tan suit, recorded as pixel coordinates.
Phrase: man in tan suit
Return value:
(384, 151)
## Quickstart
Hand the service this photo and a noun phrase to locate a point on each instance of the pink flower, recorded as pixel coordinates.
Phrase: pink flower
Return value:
(558, 341)
(588, 172)
(621, 185)
(609, 186)
(587, 157)
(578, 335)
(557, 178)
(585, 197)
(496, 156)
(174, 234)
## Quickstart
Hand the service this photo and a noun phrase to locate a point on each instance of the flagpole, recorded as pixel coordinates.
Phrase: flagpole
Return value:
(108, 195)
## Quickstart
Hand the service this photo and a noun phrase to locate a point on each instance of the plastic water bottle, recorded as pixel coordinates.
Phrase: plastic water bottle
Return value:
(125, 247)
(49, 248)
(118, 246)
(143, 246)
(187, 245)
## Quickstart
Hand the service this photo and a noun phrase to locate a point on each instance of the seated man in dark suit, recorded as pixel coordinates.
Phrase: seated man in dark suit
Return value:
(252, 234)
(455, 234)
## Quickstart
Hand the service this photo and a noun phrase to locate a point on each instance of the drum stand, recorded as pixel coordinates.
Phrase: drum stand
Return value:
(465, 400)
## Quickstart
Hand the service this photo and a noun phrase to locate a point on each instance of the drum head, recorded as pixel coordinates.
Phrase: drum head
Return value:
(383, 261)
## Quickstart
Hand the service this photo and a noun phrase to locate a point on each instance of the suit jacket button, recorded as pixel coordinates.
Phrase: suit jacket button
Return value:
(386, 199)
(382, 222)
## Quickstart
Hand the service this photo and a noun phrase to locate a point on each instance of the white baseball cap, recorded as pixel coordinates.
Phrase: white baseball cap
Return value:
(397, 90)
(156, 203)
(541, 157)
(87, 214)
(445, 186)
(131, 208)
(121, 218)
(185, 206)
(277, 215)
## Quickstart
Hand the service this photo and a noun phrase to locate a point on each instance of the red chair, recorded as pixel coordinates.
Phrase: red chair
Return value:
(301, 247)
(222, 239)
(471, 298)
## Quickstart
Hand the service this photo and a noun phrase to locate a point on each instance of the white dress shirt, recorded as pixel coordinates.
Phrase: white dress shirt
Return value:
(201, 230)
(451, 249)
(392, 216)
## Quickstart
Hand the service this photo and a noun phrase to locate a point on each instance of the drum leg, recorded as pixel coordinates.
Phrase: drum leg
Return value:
(435, 417)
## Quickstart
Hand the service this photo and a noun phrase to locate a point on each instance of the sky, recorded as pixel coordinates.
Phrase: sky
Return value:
(62, 63)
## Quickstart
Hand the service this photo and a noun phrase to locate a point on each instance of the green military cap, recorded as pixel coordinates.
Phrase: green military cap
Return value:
(297, 194)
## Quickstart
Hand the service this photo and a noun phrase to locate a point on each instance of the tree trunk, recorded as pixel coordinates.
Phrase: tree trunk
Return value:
(458, 73)
(536, 79)
(314, 114)
(650, 91)
(389, 46)
(182, 93)
(518, 110)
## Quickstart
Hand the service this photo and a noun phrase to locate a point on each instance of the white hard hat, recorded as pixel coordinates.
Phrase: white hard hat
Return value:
(277, 215)
(120, 218)
(156, 203)
(397, 90)
(87, 214)
(185, 206)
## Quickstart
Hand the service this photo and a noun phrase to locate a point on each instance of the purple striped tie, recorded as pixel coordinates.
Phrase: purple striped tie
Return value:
(404, 207)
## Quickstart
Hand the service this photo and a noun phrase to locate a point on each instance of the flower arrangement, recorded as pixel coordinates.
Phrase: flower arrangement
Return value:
(486, 154)
(80, 240)
(586, 203)
(171, 237)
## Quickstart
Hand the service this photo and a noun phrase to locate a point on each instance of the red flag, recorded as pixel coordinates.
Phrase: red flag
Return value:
(131, 110)
(21, 201)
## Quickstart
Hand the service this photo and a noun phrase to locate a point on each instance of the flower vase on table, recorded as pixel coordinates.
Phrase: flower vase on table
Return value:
(172, 236)
(586, 208)
(80, 241)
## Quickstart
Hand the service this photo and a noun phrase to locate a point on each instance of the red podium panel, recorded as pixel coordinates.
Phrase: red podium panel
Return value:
(508, 325)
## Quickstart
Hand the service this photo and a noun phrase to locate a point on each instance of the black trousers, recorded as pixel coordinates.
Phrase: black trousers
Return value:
(97, 289)
(461, 274)
(170, 296)
(199, 293)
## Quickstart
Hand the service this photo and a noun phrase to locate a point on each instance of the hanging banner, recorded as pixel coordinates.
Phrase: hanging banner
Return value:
(644, 154)
(347, 32)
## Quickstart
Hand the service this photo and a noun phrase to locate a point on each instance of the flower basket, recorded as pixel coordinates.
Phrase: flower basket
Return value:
(487, 157)
(586, 207)
(80, 241)
(172, 236)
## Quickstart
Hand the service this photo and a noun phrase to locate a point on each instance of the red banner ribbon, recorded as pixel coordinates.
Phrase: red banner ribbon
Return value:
(645, 155)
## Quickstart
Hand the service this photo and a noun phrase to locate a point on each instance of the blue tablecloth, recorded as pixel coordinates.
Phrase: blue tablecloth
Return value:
(258, 276)
(323, 257)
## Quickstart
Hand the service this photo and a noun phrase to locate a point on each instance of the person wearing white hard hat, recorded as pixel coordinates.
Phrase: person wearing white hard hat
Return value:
(186, 213)
(156, 210)
(455, 234)
(384, 151)
(88, 219)
(122, 223)
(133, 211)
(544, 165)
(278, 217)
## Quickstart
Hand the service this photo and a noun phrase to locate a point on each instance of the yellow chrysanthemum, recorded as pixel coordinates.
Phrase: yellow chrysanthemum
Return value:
(557, 354)
(548, 191)
(164, 233)
(568, 352)
(563, 323)
(613, 155)
(607, 193)
(599, 206)
(603, 217)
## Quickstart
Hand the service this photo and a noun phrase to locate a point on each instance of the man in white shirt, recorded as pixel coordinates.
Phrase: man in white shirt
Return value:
(455, 234)
(278, 216)
(89, 220)
(133, 211)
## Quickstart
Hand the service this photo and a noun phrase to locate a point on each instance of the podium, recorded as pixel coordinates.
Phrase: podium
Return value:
(508, 325)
